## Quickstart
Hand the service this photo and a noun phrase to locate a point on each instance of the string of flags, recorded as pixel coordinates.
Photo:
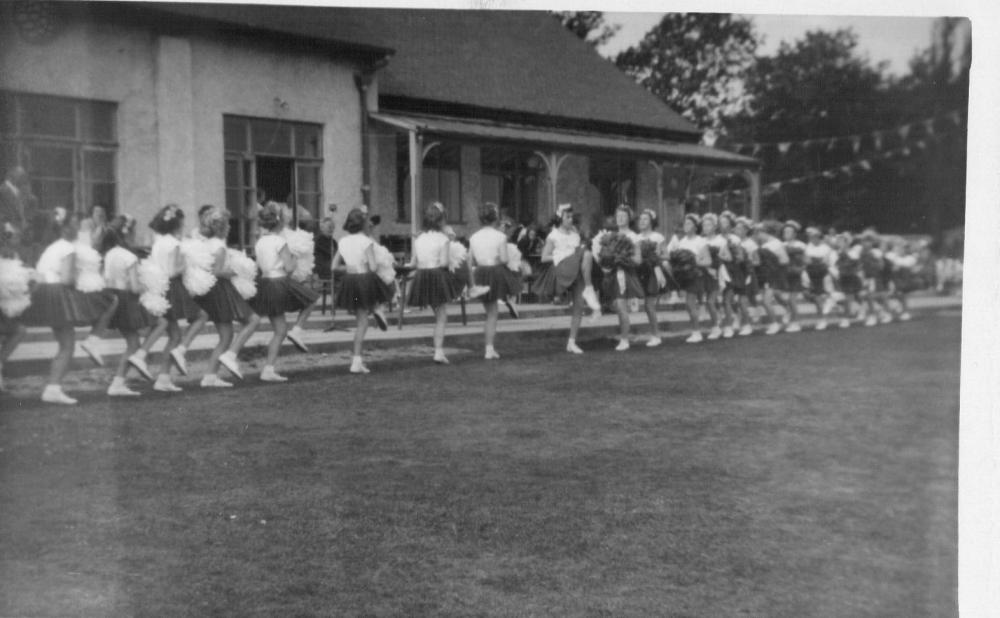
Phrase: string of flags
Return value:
(930, 126)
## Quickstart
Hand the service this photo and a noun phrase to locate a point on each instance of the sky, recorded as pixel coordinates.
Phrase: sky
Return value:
(894, 39)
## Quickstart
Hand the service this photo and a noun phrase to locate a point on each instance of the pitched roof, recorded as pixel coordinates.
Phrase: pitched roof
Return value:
(522, 65)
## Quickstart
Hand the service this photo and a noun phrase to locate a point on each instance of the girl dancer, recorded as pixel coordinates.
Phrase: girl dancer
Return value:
(619, 280)
(849, 276)
(904, 275)
(690, 263)
(773, 276)
(15, 296)
(433, 285)
(222, 302)
(58, 304)
(362, 291)
(821, 268)
(302, 246)
(489, 256)
(277, 292)
(873, 274)
(796, 250)
(652, 248)
(166, 258)
(121, 276)
(718, 247)
(743, 250)
(566, 267)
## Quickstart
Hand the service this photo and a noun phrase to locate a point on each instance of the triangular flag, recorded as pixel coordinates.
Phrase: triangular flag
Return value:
(922, 145)
(830, 145)
(865, 165)
(929, 126)
(784, 147)
(756, 150)
(829, 174)
(904, 131)
(877, 135)
(856, 143)
(847, 170)
(905, 152)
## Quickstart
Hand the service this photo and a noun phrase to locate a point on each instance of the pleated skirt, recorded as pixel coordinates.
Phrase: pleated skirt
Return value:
(281, 295)
(182, 305)
(502, 281)
(362, 291)
(612, 288)
(433, 287)
(130, 316)
(554, 281)
(223, 303)
(58, 306)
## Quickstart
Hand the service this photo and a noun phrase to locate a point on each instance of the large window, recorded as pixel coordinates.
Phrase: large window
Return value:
(511, 179)
(614, 179)
(68, 147)
(271, 160)
(441, 179)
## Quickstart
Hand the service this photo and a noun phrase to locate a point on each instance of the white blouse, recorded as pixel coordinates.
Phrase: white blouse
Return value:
(696, 245)
(353, 249)
(117, 262)
(50, 261)
(821, 252)
(777, 247)
(162, 252)
(268, 252)
(485, 245)
(429, 250)
(722, 243)
(564, 244)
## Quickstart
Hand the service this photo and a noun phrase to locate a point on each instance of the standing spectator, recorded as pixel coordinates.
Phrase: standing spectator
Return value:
(324, 249)
(16, 201)
(530, 245)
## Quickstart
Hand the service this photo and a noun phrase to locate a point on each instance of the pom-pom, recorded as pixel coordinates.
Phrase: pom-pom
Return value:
(384, 264)
(595, 244)
(88, 269)
(198, 278)
(155, 284)
(616, 251)
(301, 244)
(513, 257)
(456, 255)
(683, 266)
(649, 251)
(15, 294)
(244, 273)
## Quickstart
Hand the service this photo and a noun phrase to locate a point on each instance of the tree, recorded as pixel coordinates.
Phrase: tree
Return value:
(588, 25)
(696, 63)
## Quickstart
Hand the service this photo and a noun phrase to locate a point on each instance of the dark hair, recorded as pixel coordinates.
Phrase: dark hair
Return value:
(625, 208)
(654, 221)
(375, 219)
(489, 213)
(433, 217)
(168, 220)
(269, 216)
(112, 237)
(696, 220)
(355, 221)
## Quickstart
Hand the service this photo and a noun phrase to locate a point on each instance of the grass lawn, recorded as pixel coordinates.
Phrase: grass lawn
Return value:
(798, 475)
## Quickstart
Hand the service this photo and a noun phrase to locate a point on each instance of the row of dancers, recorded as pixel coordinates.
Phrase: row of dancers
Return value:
(722, 263)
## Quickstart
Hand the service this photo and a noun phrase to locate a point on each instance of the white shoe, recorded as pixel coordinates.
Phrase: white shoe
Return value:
(714, 334)
(694, 338)
(359, 368)
(821, 325)
(230, 362)
(270, 375)
(794, 327)
(53, 393)
(590, 297)
(746, 329)
(905, 316)
(871, 321)
(164, 384)
(885, 318)
(653, 342)
(572, 348)
(622, 346)
(177, 356)
(213, 381)
(295, 336)
(478, 290)
(786, 319)
(89, 345)
(845, 323)
(773, 329)
(727, 332)
(491, 354)
(139, 362)
(120, 389)
(440, 358)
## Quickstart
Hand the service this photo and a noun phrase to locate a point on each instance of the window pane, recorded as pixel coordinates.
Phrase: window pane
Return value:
(97, 121)
(233, 202)
(429, 186)
(52, 193)
(51, 162)
(308, 142)
(233, 174)
(448, 157)
(491, 188)
(100, 194)
(307, 178)
(270, 137)
(234, 134)
(48, 116)
(309, 201)
(99, 165)
(450, 193)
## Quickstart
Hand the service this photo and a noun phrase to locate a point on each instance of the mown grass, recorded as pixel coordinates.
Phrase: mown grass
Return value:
(797, 475)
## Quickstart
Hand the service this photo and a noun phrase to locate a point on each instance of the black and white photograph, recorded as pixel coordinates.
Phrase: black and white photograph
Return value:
(498, 309)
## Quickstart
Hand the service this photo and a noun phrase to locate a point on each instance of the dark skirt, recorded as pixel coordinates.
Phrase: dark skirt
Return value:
(554, 281)
(612, 290)
(794, 280)
(502, 281)
(774, 277)
(362, 291)
(850, 284)
(432, 287)
(223, 303)
(647, 280)
(738, 276)
(182, 305)
(130, 316)
(281, 295)
(59, 306)
(9, 326)
(709, 283)
(905, 282)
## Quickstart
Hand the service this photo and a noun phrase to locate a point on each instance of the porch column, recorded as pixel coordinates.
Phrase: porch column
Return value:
(416, 152)
(658, 167)
(753, 177)
(553, 161)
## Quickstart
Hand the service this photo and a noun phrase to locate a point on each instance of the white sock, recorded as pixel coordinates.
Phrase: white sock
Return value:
(489, 349)
(181, 349)
(117, 381)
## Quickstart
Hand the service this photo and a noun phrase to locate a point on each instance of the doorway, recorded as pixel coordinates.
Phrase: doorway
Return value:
(274, 178)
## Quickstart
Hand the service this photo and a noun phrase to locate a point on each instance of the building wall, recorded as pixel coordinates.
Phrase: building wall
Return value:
(172, 93)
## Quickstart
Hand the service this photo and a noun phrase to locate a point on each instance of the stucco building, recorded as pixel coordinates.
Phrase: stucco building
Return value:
(132, 106)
